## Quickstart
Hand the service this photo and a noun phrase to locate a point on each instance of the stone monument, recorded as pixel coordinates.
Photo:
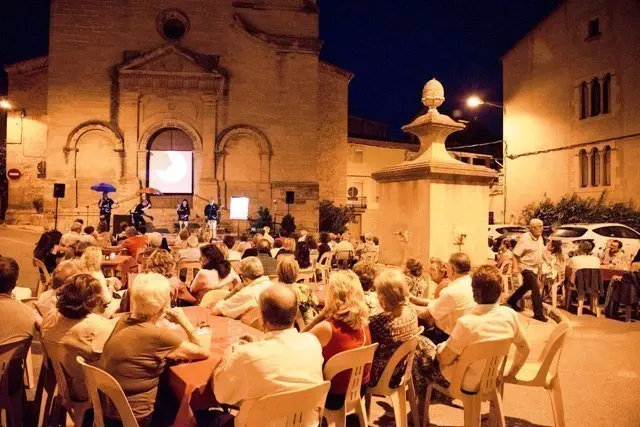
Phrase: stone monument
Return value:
(433, 205)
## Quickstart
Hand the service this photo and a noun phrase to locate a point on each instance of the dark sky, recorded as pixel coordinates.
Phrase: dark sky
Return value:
(393, 47)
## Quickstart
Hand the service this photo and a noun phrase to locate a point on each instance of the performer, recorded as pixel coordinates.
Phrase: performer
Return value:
(138, 214)
(183, 211)
(106, 204)
(211, 213)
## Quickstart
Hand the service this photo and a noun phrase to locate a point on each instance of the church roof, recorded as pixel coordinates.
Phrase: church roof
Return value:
(28, 66)
(201, 62)
(278, 42)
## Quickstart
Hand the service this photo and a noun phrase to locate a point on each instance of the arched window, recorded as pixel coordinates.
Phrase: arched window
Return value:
(595, 167)
(606, 94)
(584, 169)
(595, 97)
(170, 162)
(606, 165)
(584, 100)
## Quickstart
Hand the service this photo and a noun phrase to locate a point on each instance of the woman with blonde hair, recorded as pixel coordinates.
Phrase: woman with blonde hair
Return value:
(342, 326)
(90, 261)
(287, 271)
(162, 262)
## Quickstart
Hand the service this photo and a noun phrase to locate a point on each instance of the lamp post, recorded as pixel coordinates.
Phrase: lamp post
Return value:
(475, 101)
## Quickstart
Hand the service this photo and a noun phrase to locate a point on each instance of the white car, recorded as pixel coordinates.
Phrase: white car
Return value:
(497, 230)
(572, 234)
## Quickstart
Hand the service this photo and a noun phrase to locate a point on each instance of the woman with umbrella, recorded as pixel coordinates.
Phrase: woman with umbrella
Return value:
(183, 211)
(105, 204)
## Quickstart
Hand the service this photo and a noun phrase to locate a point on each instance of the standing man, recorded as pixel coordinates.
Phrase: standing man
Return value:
(528, 256)
(105, 205)
(211, 214)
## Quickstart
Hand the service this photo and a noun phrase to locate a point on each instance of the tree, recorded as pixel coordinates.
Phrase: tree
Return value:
(334, 219)
(288, 225)
(264, 218)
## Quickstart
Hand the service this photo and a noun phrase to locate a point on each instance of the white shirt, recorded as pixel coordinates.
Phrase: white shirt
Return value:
(486, 322)
(582, 261)
(530, 252)
(269, 238)
(344, 245)
(207, 280)
(68, 239)
(244, 304)
(454, 301)
(234, 255)
(274, 364)
(274, 252)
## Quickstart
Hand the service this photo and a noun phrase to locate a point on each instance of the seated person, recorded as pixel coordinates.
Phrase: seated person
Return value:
(367, 273)
(191, 252)
(303, 255)
(247, 371)
(47, 248)
(76, 324)
(88, 234)
(216, 273)
(74, 235)
(613, 257)
(415, 282)
(454, 301)
(324, 244)
(345, 244)
(288, 247)
(123, 233)
(134, 241)
(47, 300)
(342, 325)
(266, 230)
(137, 351)
(505, 253)
(488, 321)
(277, 245)
(583, 259)
(287, 272)
(269, 263)
(243, 305)
(181, 242)
(230, 242)
(103, 237)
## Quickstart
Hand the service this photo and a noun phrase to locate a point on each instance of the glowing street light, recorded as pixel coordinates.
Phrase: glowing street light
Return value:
(474, 101)
(5, 105)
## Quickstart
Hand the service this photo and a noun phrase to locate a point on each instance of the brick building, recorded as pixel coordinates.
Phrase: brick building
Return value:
(238, 86)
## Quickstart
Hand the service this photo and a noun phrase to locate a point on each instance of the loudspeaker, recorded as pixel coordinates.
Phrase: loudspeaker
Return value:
(290, 197)
(58, 191)
(115, 223)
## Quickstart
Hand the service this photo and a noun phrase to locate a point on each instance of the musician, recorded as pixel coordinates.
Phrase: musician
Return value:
(183, 211)
(211, 213)
(105, 205)
(138, 214)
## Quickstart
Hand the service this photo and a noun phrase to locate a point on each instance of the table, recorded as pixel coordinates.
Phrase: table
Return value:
(120, 262)
(190, 382)
(319, 290)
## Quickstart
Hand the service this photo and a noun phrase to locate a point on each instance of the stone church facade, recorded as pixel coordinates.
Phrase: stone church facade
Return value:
(239, 84)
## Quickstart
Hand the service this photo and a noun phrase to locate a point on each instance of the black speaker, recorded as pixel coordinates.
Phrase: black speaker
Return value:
(290, 197)
(115, 223)
(58, 190)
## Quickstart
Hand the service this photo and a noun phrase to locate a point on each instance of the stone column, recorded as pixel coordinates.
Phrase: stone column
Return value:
(433, 205)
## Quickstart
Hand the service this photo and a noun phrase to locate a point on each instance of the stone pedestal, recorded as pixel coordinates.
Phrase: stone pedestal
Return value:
(433, 205)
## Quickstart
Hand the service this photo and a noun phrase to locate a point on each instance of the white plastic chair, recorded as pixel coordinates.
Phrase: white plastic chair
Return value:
(190, 268)
(506, 271)
(43, 275)
(306, 276)
(554, 286)
(495, 354)
(99, 380)
(354, 360)
(11, 405)
(544, 372)
(212, 297)
(398, 395)
(343, 258)
(324, 266)
(58, 355)
(299, 407)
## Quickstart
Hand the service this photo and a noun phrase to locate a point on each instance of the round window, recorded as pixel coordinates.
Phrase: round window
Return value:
(352, 192)
(172, 24)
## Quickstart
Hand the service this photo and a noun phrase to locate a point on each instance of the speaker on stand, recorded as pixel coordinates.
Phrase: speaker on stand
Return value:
(290, 197)
(58, 193)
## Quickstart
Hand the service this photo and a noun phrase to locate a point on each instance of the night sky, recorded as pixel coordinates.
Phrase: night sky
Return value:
(393, 47)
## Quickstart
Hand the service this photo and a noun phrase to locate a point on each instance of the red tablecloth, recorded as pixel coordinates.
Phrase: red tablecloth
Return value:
(190, 382)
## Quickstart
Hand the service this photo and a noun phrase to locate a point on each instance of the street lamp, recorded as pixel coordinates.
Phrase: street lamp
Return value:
(5, 105)
(475, 101)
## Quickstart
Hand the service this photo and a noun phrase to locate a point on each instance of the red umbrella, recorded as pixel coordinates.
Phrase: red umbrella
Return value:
(151, 191)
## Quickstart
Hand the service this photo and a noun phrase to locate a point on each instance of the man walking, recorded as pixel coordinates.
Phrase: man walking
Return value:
(528, 255)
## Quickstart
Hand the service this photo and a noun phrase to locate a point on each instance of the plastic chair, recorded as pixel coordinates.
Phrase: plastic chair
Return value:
(11, 404)
(306, 276)
(298, 407)
(404, 354)
(507, 271)
(190, 267)
(354, 360)
(313, 257)
(544, 372)
(99, 380)
(59, 355)
(554, 286)
(44, 276)
(369, 257)
(495, 353)
(593, 299)
(343, 258)
(324, 266)
(212, 297)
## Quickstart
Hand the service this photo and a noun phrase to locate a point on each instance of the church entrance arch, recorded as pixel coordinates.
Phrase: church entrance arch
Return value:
(170, 162)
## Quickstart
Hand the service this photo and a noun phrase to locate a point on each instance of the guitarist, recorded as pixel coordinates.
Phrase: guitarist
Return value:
(138, 214)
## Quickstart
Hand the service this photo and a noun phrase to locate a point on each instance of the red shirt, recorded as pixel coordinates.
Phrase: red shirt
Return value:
(133, 243)
(344, 338)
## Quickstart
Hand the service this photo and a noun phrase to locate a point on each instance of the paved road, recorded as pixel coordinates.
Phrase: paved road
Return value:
(19, 244)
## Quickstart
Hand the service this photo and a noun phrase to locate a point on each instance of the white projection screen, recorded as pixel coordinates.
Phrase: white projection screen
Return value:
(239, 208)
(171, 171)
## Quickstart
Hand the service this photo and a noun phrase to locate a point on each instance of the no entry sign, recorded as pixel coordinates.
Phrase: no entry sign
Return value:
(14, 174)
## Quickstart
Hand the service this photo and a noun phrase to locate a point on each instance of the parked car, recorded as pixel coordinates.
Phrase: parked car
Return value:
(498, 241)
(497, 230)
(572, 234)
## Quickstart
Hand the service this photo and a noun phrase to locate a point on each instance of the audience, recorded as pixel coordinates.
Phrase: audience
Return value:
(303, 255)
(417, 285)
(324, 243)
(90, 262)
(76, 325)
(277, 245)
(345, 244)
(161, 262)
(191, 252)
(247, 371)
(488, 321)
(89, 235)
(267, 236)
(613, 256)
(303, 236)
(287, 272)
(124, 226)
(223, 248)
(136, 353)
(216, 272)
(230, 242)
(454, 301)
(269, 264)
(47, 299)
(134, 241)
(46, 249)
(288, 247)
(341, 326)
(505, 253)
(438, 275)
(74, 235)
(367, 273)
(183, 236)
(250, 248)
(583, 259)
(103, 238)
(243, 305)
(332, 241)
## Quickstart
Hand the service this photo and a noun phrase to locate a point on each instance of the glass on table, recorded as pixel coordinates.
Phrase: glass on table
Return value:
(203, 328)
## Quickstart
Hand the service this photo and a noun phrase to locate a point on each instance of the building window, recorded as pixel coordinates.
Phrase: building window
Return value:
(595, 97)
(593, 28)
(595, 167)
(584, 169)
(584, 100)
(358, 156)
(606, 94)
(172, 24)
(606, 165)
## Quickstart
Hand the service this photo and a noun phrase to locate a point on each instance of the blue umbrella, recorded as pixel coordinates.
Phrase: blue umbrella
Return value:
(103, 187)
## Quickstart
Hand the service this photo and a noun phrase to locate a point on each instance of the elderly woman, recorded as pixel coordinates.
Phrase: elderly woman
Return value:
(183, 236)
(396, 324)
(342, 326)
(91, 260)
(103, 237)
(76, 324)
(439, 273)
(136, 354)
(418, 287)
(192, 251)
(366, 272)
(287, 271)
(47, 300)
(216, 273)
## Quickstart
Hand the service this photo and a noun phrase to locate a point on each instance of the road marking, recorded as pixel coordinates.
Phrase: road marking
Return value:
(16, 241)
